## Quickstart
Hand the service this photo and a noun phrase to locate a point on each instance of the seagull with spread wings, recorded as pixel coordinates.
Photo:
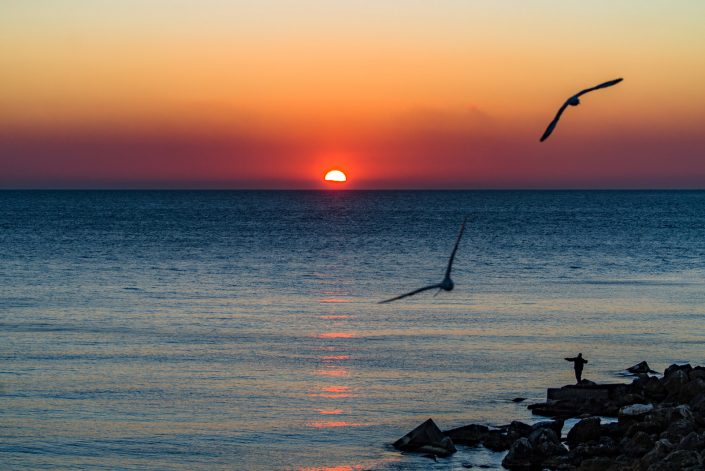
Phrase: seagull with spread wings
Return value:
(445, 285)
(575, 101)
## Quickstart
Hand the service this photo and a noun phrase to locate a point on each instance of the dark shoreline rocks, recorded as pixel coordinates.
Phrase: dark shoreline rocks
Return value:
(660, 426)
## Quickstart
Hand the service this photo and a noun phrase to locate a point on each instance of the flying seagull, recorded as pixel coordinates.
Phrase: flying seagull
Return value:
(447, 284)
(575, 101)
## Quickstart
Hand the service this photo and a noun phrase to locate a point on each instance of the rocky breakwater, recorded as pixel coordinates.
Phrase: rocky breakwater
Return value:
(660, 426)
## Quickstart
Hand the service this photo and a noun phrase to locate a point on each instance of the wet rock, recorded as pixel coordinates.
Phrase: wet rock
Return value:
(584, 431)
(520, 455)
(469, 435)
(635, 410)
(519, 399)
(426, 438)
(641, 367)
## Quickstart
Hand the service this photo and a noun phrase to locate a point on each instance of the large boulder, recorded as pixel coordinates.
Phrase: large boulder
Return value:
(520, 456)
(640, 368)
(584, 431)
(426, 438)
(470, 435)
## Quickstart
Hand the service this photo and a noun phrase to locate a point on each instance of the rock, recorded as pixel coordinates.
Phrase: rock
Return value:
(604, 446)
(650, 387)
(679, 460)
(648, 427)
(691, 389)
(553, 408)
(426, 438)
(680, 428)
(496, 441)
(546, 443)
(661, 449)
(519, 399)
(612, 430)
(697, 404)
(692, 441)
(675, 382)
(469, 435)
(584, 431)
(637, 446)
(641, 367)
(520, 455)
(697, 372)
(595, 464)
(555, 425)
(673, 368)
(635, 410)
(517, 430)
(587, 382)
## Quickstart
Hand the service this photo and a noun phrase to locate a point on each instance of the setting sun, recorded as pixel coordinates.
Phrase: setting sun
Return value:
(336, 176)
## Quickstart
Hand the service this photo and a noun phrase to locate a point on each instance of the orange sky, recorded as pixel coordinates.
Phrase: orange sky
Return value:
(406, 94)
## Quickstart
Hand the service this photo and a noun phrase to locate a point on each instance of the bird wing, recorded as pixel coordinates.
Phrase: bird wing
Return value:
(602, 85)
(411, 293)
(552, 126)
(553, 123)
(455, 249)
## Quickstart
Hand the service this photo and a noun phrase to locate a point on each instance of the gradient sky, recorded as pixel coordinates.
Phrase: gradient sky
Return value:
(397, 93)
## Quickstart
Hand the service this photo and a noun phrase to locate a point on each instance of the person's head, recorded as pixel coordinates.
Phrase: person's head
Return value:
(580, 355)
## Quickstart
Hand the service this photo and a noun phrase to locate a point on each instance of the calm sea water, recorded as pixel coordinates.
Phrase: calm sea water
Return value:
(240, 330)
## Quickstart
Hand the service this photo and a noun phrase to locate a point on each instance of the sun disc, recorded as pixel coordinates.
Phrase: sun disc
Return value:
(335, 176)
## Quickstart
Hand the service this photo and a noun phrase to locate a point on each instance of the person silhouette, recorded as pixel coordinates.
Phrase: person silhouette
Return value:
(578, 363)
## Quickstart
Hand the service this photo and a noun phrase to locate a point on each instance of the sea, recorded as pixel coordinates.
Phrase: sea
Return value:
(241, 330)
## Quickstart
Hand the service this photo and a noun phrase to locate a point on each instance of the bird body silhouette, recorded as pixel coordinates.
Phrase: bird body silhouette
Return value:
(575, 101)
(445, 285)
